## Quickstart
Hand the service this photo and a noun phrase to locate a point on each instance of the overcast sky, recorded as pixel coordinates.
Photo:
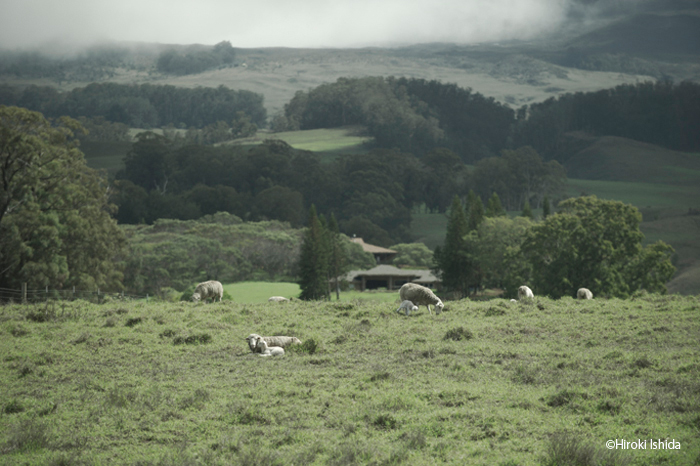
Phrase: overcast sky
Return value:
(288, 23)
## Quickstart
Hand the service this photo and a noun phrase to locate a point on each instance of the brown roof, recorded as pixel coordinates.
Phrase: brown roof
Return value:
(371, 248)
(383, 271)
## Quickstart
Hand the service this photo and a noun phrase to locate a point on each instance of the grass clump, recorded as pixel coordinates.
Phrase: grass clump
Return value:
(565, 449)
(458, 334)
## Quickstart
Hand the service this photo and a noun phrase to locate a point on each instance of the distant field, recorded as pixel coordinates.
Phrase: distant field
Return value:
(330, 141)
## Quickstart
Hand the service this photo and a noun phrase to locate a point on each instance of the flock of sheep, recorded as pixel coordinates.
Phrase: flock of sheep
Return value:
(411, 295)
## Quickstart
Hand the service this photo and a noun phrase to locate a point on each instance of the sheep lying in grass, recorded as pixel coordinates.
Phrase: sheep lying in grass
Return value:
(277, 299)
(525, 293)
(277, 341)
(407, 307)
(420, 296)
(211, 289)
(264, 350)
(584, 293)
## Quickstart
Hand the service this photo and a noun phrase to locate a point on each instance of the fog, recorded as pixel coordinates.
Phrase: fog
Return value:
(297, 23)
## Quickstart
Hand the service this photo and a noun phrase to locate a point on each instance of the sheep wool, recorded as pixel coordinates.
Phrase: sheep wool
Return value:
(420, 296)
(277, 341)
(584, 293)
(264, 350)
(407, 307)
(525, 292)
(277, 299)
(211, 289)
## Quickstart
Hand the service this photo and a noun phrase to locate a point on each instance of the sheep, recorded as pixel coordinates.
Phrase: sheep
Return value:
(265, 351)
(407, 306)
(420, 295)
(211, 289)
(525, 293)
(584, 293)
(277, 299)
(280, 341)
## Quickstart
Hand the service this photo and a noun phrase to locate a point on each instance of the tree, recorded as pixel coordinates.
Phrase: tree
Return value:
(494, 208)
(546, 207)
(475, 210)
(527, 210)
(416, 255)
(55, 225)
(595, 244)
(496, 244)
(313, 262)
(452, 262)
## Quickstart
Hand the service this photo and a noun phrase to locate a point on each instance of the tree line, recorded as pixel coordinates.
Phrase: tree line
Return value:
(372, 195)
(141, 105)
(418, 116)
(195, 59)
(661, 113)
(413, 115)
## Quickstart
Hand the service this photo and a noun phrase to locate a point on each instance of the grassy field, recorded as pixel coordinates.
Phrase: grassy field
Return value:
(259, 292)
(327, 141)
(488, 383)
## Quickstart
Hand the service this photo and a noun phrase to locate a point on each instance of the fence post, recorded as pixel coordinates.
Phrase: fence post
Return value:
(98, 296)
(24, 293)
(73, 292)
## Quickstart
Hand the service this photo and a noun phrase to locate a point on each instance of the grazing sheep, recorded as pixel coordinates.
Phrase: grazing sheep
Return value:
(584, 293)
(277, 299)
(420, 296)
(513, 301)
(525, 293)
(280, 341)
(407, 307)
(265, 351)
(211, 289)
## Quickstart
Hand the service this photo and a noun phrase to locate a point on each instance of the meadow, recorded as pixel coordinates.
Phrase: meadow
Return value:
(483, 383)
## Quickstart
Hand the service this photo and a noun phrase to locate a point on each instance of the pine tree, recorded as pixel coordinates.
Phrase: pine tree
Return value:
(475, 210)
(452, 260)
(313, 264)
(494, 207)
(527, 211)
(546, 208)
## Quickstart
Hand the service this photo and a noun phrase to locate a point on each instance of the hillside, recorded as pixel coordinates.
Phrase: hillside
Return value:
(612, 158)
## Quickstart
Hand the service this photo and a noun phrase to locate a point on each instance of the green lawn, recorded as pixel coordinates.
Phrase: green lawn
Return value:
(483, 383)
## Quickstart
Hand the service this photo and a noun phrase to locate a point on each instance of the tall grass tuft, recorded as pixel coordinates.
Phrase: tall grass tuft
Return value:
(566, 448)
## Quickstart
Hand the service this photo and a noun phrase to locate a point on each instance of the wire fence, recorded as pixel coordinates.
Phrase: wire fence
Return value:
(25, 295)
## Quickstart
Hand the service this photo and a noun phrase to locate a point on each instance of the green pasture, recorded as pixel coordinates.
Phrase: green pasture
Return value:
(259, 292)
(484, 383)
(640, 195)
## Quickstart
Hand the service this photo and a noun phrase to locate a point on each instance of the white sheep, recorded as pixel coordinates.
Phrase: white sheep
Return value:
(211, 289)
(280, 341)
(407, 307)
(584, 293)
(264, 350)
(420, 296)
(277, 299)
(525, 293)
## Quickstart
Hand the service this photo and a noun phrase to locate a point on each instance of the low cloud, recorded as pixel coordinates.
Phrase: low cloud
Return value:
(302, 23)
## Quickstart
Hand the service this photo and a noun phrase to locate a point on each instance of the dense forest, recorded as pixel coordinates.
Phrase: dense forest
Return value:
(418, 116)
(141, 106)
(372, 195)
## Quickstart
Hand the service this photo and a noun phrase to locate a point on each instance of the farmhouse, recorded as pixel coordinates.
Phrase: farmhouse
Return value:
(381, 255)
(390, 277)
